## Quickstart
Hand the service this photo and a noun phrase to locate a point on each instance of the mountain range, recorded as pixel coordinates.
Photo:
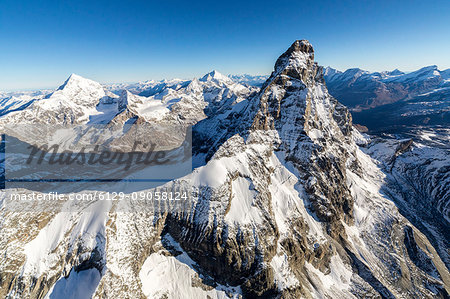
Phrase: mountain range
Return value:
(292, 201)
(393, 100)
(379, 101)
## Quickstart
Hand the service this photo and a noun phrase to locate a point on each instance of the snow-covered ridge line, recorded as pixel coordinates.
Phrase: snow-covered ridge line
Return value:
(252, 80)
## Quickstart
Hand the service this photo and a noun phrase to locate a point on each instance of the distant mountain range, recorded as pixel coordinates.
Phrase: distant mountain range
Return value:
(379, 101)
(393, 100)
(361, 89)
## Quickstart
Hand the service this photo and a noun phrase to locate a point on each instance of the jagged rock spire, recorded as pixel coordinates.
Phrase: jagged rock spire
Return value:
(300, 55)
(295, 93)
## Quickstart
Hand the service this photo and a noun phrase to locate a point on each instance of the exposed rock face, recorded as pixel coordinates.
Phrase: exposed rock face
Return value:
(305, 112)
(287, 206)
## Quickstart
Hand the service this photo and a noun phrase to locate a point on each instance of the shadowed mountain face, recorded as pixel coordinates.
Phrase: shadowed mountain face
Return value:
(359, 89)
(389, 101)
(288, 200)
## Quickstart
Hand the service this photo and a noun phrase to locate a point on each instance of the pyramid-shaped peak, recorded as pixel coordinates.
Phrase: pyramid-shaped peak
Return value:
(215, 75)
(75, 77)
(297, 81)
(77, 81)
(300, 55)
(396, 72)
(302, 45)
(77, 90)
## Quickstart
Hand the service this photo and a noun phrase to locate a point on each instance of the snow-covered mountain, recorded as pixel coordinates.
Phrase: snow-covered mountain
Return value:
(84, 99)
(382, 101)
(361, 89)
(13, 101)
(290, 200)
(81, 101)
(251, 80)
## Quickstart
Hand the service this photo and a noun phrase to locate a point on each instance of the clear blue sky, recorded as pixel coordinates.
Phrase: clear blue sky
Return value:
(43, 42)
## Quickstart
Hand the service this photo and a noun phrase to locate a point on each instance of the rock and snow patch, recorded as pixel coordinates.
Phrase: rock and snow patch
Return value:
(243, 209)
(288, 200)
(284, 278)
(336, 283)
(150, 109)
(163, 274)
(64, 232)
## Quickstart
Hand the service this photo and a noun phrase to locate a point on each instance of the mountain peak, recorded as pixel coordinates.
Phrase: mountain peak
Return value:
(396, 72)
(298, 82)
(74, 76)
(430, 67)
(298, 57)
(301, 45)
(423, 74)
(427, 69)
(76, 81)
(215, 75)
(77, 90)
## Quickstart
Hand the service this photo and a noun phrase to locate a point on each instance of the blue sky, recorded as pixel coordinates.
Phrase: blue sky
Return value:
(43, 42)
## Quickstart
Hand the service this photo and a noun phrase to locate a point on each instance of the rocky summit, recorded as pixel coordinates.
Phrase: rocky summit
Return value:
(291, 201)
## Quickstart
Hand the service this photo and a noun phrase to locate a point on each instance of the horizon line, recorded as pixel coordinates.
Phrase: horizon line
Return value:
(37, 89)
